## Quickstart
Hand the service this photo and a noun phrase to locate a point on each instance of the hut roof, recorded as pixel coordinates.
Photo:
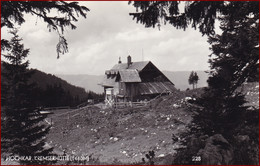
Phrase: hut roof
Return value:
(127, 73)
(130, 75)
(156, 87)
(134, 65)
(109, 81)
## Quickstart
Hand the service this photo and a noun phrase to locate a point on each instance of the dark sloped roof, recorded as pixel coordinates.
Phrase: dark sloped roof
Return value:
(129, 75)
(109, 81)
(156, 87)
(135, 65)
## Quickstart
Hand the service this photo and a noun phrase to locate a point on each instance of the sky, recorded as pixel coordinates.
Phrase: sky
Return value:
(108, 33)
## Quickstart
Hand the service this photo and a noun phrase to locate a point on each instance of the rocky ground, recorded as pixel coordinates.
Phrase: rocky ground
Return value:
(124, 136)
(119, 136)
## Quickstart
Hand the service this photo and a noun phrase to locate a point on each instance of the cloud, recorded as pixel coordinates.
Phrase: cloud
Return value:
(182, 61)
(109, 33)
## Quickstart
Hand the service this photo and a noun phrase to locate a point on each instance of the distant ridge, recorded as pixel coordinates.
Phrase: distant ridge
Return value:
(44, 79)
(51, 91)
(90, 82)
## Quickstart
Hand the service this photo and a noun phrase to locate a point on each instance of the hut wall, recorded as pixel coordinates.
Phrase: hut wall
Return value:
(122, 88)
(116, 88)
(131, 91)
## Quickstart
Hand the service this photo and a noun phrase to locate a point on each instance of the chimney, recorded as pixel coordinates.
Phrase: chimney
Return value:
(119, 60)
(129, 61)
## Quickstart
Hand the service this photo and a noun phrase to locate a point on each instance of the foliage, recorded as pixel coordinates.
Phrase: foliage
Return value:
(54, 92)
(235, 51)
(234, 59)
(22, 129)
(204, 14)
(246, 139)
(198, 13)
(193, 79)
(12, 12)
(150, 157)
(220, 118)
(51, 91)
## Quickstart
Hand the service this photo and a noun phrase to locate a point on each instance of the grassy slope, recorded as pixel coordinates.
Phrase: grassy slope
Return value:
(126, 135)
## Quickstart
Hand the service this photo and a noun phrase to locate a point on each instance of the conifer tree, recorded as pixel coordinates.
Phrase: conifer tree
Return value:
(22, 128)
(196, 79)
(235, 60)
(236, 50)
(193, 79)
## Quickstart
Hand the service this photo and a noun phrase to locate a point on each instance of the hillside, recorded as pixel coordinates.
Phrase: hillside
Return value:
(120, 136)
(90, 82)
(123, 136)
(51, 91)
(43, 80)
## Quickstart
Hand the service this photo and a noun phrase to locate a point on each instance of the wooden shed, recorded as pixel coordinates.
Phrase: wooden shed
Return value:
(135, 81)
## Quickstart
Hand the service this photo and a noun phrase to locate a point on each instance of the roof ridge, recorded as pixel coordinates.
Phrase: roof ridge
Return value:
(135, 65)
(133, 62)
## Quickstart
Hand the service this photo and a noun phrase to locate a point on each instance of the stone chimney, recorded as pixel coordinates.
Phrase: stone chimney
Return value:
(119, 60)
(129, 61)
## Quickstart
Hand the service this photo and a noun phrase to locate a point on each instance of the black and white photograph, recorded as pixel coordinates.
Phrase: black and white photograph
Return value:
(129, 82)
